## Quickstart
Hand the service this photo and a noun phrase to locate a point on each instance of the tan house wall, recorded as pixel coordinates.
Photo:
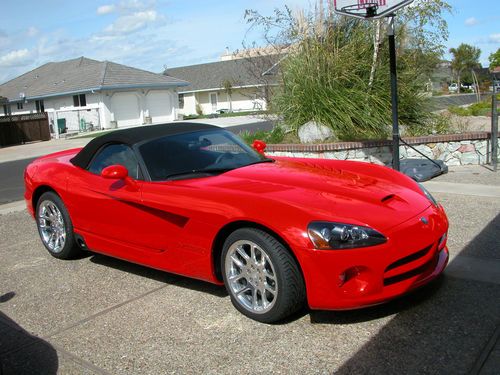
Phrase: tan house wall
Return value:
(244, 99)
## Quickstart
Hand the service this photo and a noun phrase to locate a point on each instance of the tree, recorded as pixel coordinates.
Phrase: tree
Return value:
(465, 59)
(494, 59)
(228, 88)
(336, 70)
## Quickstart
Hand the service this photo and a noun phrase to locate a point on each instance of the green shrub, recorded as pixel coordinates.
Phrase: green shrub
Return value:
(460, 111)
(482, 108)
(327, 80)
(435, 124)
(276, 135)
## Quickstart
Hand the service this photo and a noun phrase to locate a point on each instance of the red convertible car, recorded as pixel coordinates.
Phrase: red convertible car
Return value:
(194, 200)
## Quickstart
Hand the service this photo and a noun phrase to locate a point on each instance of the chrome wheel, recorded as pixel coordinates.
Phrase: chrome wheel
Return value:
(51, 225)
(251, 276)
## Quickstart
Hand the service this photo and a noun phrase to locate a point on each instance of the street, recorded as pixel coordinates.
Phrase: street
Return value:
(12, 186)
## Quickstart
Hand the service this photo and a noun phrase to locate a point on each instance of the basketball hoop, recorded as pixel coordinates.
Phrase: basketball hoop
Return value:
(369, 9)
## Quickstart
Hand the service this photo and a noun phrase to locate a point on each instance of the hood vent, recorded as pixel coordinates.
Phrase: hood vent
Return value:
(388, 197)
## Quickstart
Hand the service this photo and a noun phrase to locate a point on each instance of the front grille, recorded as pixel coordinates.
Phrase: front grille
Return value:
(412, 272)
(410, 258)
(408, 275)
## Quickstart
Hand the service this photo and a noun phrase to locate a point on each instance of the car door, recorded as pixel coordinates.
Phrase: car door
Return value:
(104, 211)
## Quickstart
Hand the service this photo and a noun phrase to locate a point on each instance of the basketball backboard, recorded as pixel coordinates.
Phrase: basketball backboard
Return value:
(369, 9)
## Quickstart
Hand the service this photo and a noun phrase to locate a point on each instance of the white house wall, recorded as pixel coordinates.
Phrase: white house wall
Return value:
(63, 108)
(104, 110)
(189, 104)
(246, 99)
(126, 108)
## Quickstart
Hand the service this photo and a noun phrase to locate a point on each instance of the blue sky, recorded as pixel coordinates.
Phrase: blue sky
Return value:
(151, 34)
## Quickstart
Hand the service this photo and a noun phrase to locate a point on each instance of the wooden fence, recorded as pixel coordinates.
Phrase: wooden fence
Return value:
(20, 129)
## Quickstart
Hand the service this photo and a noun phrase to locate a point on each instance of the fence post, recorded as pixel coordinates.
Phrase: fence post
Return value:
(56, 125)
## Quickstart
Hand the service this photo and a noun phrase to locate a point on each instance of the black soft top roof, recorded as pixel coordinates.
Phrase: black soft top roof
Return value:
(132, 136)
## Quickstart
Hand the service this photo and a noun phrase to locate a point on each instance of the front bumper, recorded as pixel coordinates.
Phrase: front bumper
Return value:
(414, 254)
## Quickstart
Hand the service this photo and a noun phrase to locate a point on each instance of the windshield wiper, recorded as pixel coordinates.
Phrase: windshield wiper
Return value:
(199, 171)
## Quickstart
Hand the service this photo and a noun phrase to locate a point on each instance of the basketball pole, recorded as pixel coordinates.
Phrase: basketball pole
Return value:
(394, 92)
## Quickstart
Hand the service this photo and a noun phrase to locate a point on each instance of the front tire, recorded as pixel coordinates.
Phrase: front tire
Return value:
(261, 276)
(55, 226)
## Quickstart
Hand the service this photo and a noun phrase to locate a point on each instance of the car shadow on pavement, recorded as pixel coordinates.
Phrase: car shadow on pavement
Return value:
(21, 352)
(446, 329)
(157, 275)
(395, 306)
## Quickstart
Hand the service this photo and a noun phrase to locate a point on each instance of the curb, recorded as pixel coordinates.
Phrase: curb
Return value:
(463, 189)
(11, 207)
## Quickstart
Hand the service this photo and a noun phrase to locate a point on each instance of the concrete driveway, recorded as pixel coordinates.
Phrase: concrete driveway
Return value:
(98, 315)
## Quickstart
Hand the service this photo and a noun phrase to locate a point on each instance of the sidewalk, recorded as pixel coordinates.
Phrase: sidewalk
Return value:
(34, 149)
(225, 122)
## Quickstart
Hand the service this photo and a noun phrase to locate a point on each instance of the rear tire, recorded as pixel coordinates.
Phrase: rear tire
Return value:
(55, 226)
(261, 276)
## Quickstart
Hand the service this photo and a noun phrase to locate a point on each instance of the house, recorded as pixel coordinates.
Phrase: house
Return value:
(233, 84)
(82, 94)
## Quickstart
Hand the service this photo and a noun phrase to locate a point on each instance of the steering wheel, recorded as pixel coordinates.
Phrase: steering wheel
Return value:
(225, 155)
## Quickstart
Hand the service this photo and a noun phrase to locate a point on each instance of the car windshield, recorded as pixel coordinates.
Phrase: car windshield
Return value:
(196, 154)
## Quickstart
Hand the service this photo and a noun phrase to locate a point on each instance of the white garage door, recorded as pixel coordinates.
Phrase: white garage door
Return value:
(125, 106)
(160, 106)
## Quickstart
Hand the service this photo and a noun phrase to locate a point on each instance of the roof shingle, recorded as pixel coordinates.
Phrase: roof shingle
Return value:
(239, 72)
(82, 75)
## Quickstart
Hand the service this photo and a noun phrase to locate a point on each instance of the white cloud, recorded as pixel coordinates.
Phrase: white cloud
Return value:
(471, 21)
(131, 23)
(126, 6)
(494, 38)
(16, 58)
(106, 9)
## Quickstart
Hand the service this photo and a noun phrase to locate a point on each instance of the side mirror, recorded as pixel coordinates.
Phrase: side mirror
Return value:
(259, 146)
(115, 172)
(119, 172)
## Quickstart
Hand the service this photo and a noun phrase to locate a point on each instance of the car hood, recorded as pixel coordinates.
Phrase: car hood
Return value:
(353, 192)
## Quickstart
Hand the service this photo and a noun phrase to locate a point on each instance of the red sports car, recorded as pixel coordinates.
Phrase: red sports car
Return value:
(193, 199)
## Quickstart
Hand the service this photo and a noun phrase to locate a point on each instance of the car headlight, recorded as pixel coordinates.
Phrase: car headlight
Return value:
(428, 195)
(327, 235)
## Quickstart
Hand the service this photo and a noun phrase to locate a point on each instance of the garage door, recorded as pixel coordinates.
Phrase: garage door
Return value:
(160, 106)
(125, 106)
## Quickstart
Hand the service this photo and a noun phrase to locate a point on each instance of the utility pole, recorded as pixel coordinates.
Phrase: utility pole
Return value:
(394, 92)
(494, 126)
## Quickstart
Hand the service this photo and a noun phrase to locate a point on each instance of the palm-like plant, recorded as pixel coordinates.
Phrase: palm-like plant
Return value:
(465, 59)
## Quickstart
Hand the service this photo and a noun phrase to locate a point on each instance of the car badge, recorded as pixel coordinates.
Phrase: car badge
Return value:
(424, 220)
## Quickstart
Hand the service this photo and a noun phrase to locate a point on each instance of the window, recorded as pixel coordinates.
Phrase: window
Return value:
(191, 154)
(116, 154)
(6, 110)
(39, 106)
(181, 101)
(79, 100)
(20, 105)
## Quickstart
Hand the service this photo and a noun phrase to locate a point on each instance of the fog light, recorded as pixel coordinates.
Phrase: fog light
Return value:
(358, 281)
